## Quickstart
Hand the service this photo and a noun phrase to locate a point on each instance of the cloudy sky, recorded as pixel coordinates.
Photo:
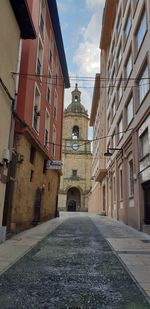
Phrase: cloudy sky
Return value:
(81, 25)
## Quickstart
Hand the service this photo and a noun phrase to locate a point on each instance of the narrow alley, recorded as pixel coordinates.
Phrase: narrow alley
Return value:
(77, 265)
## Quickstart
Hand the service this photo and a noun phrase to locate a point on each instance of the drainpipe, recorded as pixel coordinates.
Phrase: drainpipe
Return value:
(16, 81)
(12, 166)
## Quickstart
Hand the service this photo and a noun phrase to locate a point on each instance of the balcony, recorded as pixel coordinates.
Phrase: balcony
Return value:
(100, 175)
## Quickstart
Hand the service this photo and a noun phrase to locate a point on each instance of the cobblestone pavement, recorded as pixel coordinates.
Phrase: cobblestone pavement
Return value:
(74, 267)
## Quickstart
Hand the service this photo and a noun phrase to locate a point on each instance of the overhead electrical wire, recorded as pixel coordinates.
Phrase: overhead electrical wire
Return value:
(89, 141)
(82, 78)
(88, 87)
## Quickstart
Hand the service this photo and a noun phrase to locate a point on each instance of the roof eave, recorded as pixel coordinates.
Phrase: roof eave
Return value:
(59, 41)
(95, 99)
(107, 22)
(24, 19)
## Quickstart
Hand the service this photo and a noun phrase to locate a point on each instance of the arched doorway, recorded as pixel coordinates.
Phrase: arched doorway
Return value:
(73, 199)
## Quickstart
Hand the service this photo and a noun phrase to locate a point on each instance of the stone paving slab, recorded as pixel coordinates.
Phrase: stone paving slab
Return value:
(129, 246)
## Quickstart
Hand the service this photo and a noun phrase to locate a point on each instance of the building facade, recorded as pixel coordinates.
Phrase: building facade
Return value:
(125, 55)
(12, 30)
(97, 196)
(33, 188)
(76, 157)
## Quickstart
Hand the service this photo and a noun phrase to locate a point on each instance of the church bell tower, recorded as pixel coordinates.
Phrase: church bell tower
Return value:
(76, 157)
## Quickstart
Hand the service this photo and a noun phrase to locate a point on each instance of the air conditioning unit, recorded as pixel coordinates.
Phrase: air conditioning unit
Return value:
(6, 156)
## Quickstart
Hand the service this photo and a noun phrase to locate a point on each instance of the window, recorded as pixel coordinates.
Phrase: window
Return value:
(114, 188)
(119, 56)
(42, 17)
(124, 3)
(109, 70)
(50, 57)
(128, 66)
(36, 110)
(44, 166)
(127, 26)
(55, 105)
(120, 91)
(113, 109)
(31, 175)
(120, 184)
(129, 111)
(120, 128)
(113, 80)
(135, 3)
(119, 23)
(113, 47)
(144, 143)
(47, 128)
(48, 92)
(143, 84)
(39, 58)
(113, 140)
(51, 50)
(108, 122)
(141, 30)
(32, 154)
(57, 70)
(75, 132)
(74, 173)
(54, 142)
(131, 178)
(109, 94)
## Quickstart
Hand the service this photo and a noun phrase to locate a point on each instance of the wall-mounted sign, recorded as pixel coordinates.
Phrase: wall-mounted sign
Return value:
(54, 165)
(75, 146)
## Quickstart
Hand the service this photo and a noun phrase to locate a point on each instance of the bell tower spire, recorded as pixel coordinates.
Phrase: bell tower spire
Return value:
(76, 95)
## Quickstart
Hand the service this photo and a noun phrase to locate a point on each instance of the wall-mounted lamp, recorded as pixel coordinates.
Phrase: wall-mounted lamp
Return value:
(108, 153)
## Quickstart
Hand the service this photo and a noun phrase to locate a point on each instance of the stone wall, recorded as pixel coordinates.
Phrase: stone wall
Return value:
(25, 188)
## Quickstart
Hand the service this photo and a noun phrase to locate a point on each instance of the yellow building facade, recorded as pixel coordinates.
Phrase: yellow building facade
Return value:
(76, 157)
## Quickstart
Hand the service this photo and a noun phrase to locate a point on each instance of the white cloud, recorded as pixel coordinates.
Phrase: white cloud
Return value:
(61, 7)
(92, 4)
(86, 57)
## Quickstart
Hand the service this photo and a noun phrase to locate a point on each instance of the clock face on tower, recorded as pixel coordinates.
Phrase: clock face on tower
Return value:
(75, 146)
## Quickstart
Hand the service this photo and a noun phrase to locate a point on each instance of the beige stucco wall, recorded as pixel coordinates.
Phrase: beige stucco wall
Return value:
(94, 199)
(131, 209)
(9, 46)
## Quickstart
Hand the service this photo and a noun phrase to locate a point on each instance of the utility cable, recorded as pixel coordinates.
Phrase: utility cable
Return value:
(89, 87)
